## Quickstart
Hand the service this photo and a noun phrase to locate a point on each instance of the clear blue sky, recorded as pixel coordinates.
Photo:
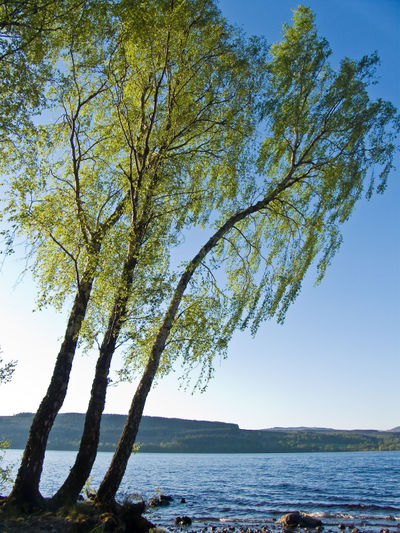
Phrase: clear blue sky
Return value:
(336, 360)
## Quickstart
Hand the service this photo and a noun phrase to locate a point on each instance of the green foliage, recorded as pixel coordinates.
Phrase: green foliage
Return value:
(150, 132)
(6, 370)
(32, 34)
(20, 65)
(5, 472)
(324, 140)
(87, 490)
(154, 120)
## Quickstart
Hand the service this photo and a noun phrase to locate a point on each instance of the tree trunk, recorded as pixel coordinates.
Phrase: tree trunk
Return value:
(26, 486)
(79, 473)
(112, 480)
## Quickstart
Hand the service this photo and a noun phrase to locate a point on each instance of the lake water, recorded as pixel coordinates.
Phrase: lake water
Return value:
(361, 488)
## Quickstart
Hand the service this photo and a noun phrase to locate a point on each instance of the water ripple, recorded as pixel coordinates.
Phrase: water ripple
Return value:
(252, 487)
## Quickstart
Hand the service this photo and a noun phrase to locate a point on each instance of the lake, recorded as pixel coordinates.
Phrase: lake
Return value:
(361, 488)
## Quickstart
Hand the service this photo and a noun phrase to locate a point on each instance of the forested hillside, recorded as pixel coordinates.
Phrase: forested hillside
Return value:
(191, 436)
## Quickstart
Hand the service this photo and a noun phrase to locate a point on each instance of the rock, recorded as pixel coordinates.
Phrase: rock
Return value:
(160, 501)
(292, 520)
(182, 521)
(131, 516)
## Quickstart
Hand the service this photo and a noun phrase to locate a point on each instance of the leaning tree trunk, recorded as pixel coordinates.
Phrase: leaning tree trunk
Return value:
(112, 480)
(79, 473)
(26, 486)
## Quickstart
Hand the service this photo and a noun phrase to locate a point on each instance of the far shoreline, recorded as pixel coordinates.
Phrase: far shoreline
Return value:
(214, 453)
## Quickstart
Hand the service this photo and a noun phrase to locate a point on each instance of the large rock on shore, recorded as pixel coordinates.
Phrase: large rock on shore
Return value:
(183, 521)
(299, 519)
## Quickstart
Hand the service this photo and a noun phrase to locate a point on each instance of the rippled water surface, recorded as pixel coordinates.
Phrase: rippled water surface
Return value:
(362, 487)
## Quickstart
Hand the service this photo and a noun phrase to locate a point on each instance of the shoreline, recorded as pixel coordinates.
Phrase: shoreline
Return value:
(269, 526)
(61, 525)
(86, 518)
(331, 523)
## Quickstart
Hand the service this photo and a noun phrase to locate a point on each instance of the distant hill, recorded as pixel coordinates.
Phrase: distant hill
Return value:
(327, 430)
(299, 428)
(158, 434)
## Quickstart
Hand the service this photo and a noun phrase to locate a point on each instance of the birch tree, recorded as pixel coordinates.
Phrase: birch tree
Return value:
(194, 83)
(325, 138)
(47, 183)
(153, 125)
(152, 132)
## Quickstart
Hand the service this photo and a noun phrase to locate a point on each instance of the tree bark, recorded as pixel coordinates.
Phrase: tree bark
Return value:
(79, 473)
(26, 486)
(112, 480)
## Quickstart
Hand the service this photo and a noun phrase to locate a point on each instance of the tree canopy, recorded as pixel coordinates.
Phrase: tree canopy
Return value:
(325, 144)
(142, 135)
